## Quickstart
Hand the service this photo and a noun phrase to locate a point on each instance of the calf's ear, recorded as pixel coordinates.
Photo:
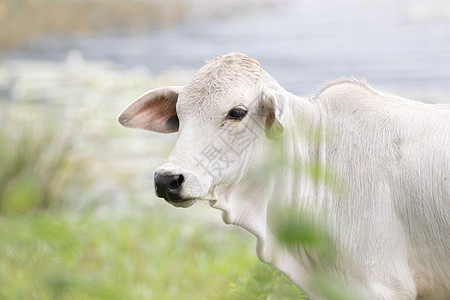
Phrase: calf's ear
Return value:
(155, 110)
(273, 106)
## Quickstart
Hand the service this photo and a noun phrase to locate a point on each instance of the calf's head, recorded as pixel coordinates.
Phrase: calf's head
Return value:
(223, 116)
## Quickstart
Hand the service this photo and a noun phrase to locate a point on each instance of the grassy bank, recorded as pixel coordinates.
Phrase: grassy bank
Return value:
(87, 257)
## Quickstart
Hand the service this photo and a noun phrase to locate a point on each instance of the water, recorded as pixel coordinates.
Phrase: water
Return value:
(391, 43)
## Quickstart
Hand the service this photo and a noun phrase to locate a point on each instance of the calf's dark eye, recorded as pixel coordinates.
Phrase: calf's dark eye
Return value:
(236, 114)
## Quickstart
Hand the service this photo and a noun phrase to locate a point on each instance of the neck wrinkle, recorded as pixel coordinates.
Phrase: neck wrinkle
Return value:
(304, 148)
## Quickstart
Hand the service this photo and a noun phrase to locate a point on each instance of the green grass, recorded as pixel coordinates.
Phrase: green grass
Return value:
(148, 257)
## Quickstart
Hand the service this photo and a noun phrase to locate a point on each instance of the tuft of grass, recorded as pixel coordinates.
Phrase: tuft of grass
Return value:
(263, 282)
(38, 159)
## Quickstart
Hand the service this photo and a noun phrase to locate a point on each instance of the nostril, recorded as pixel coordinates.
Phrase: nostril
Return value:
(176, 182)
(168, 186)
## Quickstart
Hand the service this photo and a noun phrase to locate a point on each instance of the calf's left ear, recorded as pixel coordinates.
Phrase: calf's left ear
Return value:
(155, 111)
(273, 105)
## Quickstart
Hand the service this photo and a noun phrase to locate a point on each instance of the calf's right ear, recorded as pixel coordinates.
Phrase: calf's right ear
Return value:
(273, 107)
(155, 111)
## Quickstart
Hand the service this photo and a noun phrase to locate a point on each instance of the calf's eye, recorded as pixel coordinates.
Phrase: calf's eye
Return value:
(236, 113)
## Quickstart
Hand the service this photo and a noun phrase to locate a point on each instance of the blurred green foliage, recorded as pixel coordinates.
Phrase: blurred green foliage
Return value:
(294, 228)
(330, 288)
(300, 229)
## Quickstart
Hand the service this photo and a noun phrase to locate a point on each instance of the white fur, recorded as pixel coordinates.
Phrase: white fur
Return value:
(390, 221)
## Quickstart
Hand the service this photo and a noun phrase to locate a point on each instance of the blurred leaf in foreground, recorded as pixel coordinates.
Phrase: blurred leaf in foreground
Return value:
(332, 290)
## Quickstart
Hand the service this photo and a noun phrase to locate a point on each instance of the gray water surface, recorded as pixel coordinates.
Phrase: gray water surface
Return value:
(301, 43)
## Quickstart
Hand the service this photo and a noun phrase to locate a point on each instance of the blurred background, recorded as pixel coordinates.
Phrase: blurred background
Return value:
(78, 215)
